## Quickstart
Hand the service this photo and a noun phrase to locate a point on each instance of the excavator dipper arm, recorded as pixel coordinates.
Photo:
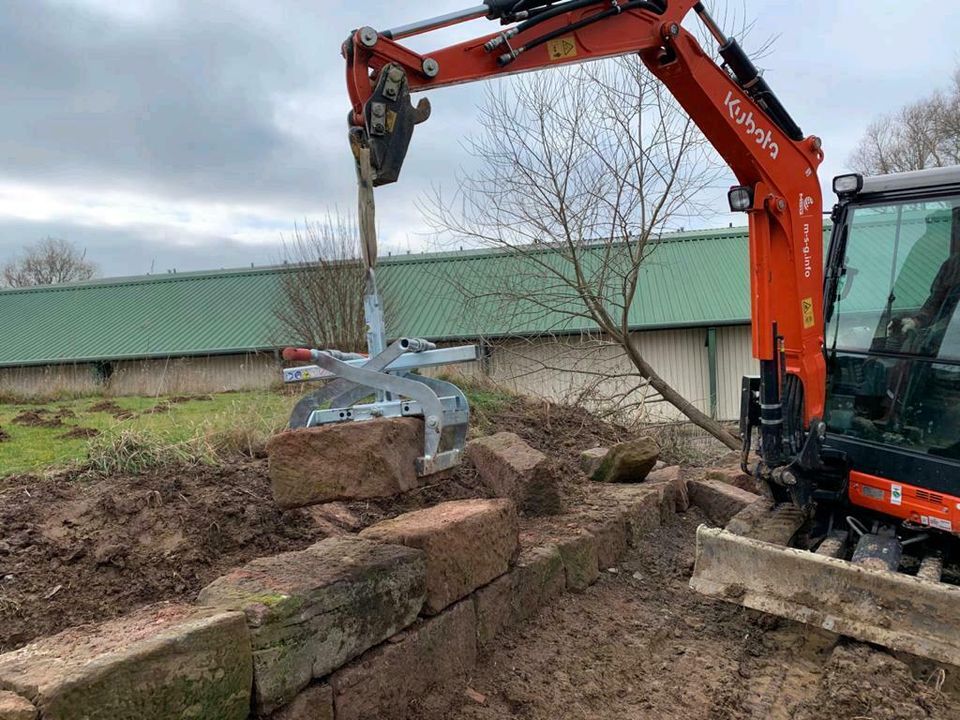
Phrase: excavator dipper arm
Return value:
(775, 165)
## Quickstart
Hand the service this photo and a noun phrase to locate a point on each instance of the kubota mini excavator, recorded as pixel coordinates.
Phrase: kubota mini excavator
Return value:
(856, 411)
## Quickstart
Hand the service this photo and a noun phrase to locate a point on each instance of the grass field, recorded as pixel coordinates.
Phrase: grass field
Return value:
(217, 421)
(135, 432)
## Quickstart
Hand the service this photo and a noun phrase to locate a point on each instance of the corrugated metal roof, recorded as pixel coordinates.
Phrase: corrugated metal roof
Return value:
(689, 279)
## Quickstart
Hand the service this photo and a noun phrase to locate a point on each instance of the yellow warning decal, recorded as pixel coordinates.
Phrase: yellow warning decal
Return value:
(806, 306)
(562, 48)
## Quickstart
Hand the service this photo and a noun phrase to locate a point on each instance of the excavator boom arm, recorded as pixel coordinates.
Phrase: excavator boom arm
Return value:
(732, 105)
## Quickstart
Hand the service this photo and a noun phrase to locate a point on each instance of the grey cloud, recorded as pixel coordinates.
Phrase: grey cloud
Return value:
(142, 249)
(138, 250)
(181, 106)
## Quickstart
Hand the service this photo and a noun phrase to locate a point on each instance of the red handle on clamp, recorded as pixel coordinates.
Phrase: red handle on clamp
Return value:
(298, 354)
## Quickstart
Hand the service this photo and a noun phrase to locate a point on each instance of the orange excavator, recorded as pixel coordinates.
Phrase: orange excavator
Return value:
(852, 428)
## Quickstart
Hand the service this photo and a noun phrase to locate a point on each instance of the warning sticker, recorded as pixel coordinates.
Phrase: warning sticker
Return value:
(806, 306)
(896, 494)
(562, 48)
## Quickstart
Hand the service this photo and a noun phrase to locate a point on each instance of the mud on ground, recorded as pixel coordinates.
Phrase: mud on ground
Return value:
(640, 645)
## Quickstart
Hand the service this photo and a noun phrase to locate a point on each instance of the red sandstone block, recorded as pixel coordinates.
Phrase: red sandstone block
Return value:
(512, 469)
(382, 682)
(345, 461)
(468, 543)
(718, 500)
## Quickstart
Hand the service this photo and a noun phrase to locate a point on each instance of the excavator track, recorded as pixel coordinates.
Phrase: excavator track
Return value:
(750, 563)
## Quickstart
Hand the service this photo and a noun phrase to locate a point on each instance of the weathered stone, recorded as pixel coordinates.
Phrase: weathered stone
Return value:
(345, 461)
(313, 610)
(14, 707)
(672, 477)
(494, 606)
(314, 703)
(733, 476)
(610, 535)
(718, 500)
(511, 469)
(467, 543)
(335, 518)
(536, 580)
(382, 683)
(628, 462)
(579, 553)
(590, 460)
(642, 507)
(162, 662)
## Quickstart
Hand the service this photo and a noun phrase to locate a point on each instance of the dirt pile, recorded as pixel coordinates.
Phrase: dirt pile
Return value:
(157, 409)
(73, 551)
(106, 406)
(559, 431)
(38, 418)
(79, 550)
(80, 433)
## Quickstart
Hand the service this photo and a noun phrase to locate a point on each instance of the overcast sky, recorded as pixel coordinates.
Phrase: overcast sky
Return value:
(162, 134)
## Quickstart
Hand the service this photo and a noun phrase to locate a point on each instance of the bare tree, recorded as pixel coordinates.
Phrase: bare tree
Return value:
(579, 173)
(49, 262)
(321, 302)
(923, 134)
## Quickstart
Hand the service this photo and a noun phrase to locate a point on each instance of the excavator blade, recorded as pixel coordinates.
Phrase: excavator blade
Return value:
(898, 611)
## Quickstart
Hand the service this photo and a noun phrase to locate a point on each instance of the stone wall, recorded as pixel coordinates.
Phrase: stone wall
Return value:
(331, 632)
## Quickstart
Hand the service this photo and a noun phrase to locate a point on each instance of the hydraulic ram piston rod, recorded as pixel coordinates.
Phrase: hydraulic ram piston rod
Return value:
(436, 23)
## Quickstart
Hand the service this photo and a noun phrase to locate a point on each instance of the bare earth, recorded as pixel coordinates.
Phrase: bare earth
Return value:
(640, 644)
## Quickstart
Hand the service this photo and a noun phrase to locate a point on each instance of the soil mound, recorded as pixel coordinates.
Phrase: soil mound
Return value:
(106, 406)
(79, 433)
(188, 398)
(157, 409)
(124, 541)
(35, 418)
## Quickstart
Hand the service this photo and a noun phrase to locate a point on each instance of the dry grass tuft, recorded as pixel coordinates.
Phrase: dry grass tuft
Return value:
(135, 451)
(246, 435)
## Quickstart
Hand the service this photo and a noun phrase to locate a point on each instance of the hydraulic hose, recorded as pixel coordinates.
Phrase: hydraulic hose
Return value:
(650, 5)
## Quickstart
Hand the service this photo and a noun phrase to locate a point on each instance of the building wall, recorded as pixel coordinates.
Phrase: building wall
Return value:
(582, 369)
(734, 360)
(600, 375)
(173, 376)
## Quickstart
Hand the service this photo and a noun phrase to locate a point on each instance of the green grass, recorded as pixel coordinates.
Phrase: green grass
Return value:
(196, 431)
(229, 422)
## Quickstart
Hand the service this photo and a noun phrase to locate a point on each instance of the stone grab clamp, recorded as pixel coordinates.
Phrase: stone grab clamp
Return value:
(388, 379)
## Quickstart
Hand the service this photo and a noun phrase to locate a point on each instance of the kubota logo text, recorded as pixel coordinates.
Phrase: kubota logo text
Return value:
(762, 136)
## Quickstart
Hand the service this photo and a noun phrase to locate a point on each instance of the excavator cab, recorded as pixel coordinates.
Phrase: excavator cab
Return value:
(893, 338)
(879, 559)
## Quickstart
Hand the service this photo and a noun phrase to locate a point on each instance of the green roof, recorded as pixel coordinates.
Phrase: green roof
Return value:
(690, 279)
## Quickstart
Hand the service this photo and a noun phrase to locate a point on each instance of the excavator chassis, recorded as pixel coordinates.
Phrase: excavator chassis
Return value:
(914, 614)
